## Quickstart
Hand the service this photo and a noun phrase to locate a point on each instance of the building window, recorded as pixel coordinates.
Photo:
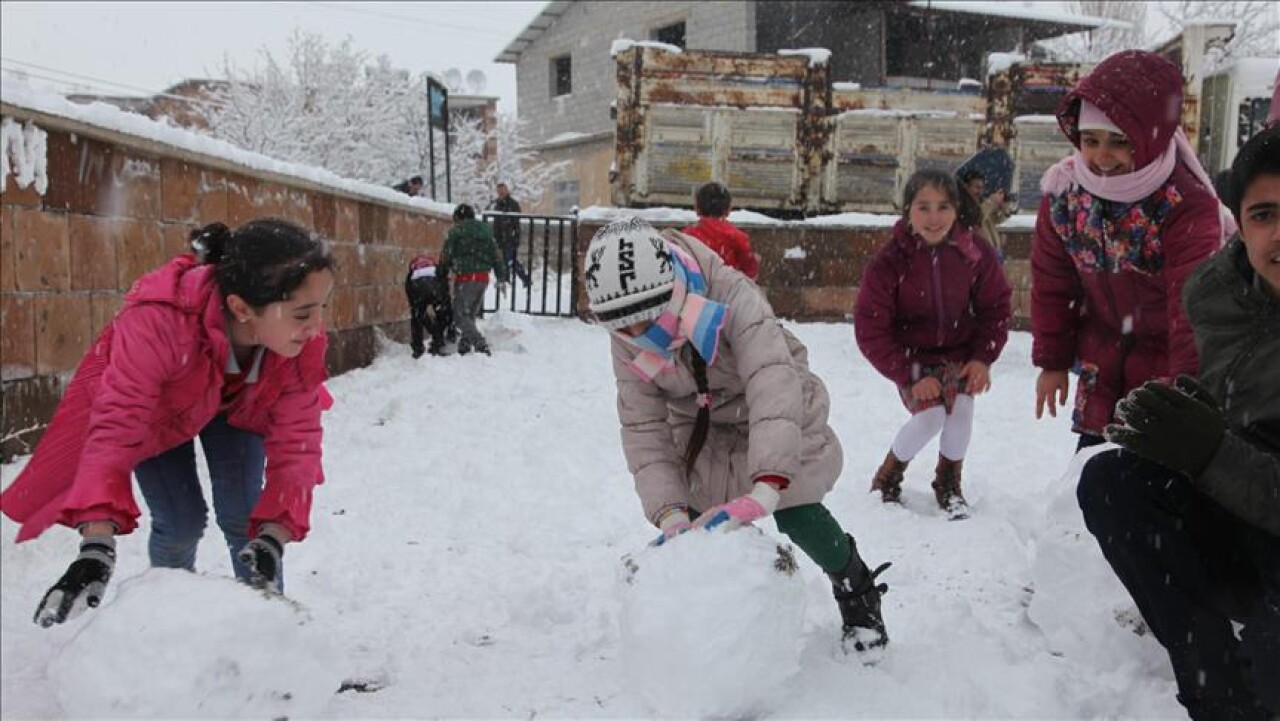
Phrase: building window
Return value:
(566, 196)
(672, 34)
(561, 75)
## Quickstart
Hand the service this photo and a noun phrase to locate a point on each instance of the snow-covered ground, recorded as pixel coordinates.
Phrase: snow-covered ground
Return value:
(466, 560)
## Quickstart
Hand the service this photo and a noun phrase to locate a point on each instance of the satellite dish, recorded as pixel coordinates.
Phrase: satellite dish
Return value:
(476, 80)
(453, 78)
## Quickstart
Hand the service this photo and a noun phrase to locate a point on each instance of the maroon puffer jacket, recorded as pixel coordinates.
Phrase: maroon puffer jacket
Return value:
(1109, 305)
(920, 306)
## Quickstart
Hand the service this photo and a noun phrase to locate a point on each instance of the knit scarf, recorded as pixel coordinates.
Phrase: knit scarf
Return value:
(689, 317)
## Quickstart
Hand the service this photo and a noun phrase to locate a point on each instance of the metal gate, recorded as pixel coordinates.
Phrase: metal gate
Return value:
(544, 246)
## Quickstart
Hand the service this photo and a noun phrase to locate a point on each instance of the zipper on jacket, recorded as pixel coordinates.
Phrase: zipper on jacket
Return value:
(937, 296)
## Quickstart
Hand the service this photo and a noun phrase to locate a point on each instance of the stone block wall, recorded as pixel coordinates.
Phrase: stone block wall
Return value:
(812, 273)
(117, 206)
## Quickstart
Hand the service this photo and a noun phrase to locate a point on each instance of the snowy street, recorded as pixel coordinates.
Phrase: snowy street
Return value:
(465, 557)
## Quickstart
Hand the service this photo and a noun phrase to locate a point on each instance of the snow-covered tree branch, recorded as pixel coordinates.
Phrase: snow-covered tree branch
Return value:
(1094, 45)
(1257, 24)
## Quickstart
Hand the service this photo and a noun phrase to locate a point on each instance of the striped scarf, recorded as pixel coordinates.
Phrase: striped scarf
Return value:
(690, 316)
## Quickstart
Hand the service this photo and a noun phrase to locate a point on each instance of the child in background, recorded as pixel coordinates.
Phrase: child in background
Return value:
(1123, 222)
(227, 344)
(470, 252)
(932, 315)
(426, 286)
(713, 203)
(723, 423)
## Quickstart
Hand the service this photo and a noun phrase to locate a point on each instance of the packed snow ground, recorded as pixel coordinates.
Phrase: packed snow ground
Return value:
(466, 560)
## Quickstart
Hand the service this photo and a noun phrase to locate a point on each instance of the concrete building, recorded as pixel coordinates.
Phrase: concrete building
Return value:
(566, 76)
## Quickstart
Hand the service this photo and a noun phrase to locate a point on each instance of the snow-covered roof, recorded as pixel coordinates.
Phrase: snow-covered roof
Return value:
(817, 56)
(540, 22)
(1019, 11)
(622, 44)
(112, 121)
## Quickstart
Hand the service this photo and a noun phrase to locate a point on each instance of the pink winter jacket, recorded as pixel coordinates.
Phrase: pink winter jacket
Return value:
(150, 382)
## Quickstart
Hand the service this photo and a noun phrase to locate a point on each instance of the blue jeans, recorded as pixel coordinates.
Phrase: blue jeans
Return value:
(236, 460)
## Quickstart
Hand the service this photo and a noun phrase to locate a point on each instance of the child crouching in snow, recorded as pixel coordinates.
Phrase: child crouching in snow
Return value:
(226, 344)
(723, 423)
(932, 316)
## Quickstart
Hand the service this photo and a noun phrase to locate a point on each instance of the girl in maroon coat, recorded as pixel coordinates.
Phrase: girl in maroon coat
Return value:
(1122, 223)
(227, 344)
(932, 316)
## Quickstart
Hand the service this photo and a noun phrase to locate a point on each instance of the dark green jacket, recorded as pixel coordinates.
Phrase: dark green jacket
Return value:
(469, 248)
(1237, 330)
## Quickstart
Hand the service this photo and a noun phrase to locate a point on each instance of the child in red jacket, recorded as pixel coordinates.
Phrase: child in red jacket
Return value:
(932, 315)
(227, 344)
(1122, 223)
(713, 203)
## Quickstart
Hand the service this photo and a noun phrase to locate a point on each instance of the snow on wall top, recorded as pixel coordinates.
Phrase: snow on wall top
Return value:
(1000, 62)
(817, 56)
(749, 218)
(622, 44)
(21, 94)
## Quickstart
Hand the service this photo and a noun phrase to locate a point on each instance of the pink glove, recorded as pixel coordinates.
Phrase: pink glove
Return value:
(742, 510)
(672, 522)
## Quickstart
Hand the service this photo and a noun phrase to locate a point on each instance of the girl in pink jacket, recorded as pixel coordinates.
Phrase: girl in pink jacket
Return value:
(227, 344)
(932, 316)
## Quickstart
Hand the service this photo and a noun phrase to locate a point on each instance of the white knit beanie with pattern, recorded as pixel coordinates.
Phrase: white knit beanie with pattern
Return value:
(629, 275)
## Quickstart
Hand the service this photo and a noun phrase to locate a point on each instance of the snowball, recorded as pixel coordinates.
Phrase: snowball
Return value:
(176, 644)
(711, 624)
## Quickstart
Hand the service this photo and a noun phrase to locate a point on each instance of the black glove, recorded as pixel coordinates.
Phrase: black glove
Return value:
(262, 557)
(1180, 428)
(82, 585)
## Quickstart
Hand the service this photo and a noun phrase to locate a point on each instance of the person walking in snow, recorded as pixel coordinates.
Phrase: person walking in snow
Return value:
(993, 208)
(1122, 223)
(469, 254)
(713, 203)
(722, 421)
(430, 308)
(1188, 512)
(226, 344)
(932, 315)
(506, 231)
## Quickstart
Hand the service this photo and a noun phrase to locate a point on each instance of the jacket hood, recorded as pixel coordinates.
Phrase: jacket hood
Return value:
(1140, 92)
(189, 286)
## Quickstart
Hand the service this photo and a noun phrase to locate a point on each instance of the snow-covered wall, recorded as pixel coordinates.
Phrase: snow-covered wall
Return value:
(92, 197)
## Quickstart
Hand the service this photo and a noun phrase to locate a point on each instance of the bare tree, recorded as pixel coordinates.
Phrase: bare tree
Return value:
(1128, 31)
(1257, 27)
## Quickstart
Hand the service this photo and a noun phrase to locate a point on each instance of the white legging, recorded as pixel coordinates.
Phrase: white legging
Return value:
(956, 429)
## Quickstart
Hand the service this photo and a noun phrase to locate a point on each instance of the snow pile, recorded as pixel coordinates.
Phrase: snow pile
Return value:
(22, 152)
(712, 624)
(817, 56)
(141, 654)
(623, 44)
(794, 253)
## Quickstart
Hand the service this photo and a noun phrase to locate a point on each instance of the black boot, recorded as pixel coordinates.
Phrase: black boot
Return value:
(858, 597)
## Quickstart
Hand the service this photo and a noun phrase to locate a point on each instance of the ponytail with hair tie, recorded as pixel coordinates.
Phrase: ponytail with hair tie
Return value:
(210, 243)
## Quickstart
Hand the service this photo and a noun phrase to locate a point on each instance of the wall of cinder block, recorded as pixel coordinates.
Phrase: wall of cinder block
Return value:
(114, 209)
(820, 282)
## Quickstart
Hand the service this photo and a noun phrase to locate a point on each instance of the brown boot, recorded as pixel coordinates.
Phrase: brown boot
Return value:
(946, 488)
(888, 479)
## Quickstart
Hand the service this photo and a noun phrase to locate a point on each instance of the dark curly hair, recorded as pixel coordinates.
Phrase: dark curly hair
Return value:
(464, 212)
(263, 261)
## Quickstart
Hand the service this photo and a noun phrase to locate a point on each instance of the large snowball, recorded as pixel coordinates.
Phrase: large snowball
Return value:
(174, 644)
(711, 624)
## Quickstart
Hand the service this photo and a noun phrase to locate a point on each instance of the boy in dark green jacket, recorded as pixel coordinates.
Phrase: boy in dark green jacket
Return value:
(469, 254)
(1188, 514)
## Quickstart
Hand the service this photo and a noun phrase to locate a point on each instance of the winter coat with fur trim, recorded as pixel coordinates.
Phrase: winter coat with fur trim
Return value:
(151, 381)
(768, 414)
(920, 306)
(1107, 277)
